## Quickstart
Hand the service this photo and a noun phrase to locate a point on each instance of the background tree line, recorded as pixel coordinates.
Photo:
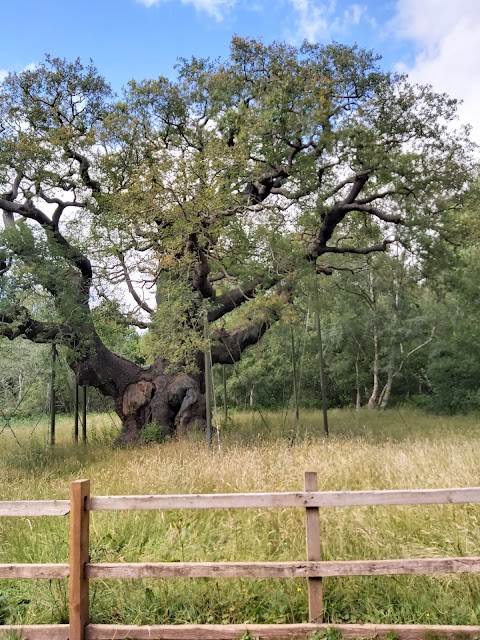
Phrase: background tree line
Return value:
(395, 330)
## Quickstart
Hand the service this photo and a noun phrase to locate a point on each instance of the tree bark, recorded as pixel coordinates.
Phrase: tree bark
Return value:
(144, 395)
(358, 393)
(386, 391)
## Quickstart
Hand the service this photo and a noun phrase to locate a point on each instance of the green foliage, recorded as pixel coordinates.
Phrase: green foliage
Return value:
(250, 169)
(153, 433)
(453, 370)
(386, 298)
(177, 333)
(116, 334)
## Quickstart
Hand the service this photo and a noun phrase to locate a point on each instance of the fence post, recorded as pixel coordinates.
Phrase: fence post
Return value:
(315, 588)
(79, 557)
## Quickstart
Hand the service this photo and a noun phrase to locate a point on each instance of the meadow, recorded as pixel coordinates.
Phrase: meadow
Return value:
(366, 450)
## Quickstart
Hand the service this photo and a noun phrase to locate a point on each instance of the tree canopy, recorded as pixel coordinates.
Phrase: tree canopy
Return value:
(214, 193)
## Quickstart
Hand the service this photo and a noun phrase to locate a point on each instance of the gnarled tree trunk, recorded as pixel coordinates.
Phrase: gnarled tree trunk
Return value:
(176, 401)
(144, 395)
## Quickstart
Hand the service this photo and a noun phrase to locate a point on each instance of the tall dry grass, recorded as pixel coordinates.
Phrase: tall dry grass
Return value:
(365, 451)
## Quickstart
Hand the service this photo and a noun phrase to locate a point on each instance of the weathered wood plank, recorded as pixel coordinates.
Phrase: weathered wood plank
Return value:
(79, 557)
(246, 500)
(38, 571)
(279, 632)
(288, 499)
(36, 631)
(34, 508)
(283, 569)
(313, 541)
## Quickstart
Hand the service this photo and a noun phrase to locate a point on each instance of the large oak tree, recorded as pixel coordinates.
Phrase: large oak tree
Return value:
(207, 195)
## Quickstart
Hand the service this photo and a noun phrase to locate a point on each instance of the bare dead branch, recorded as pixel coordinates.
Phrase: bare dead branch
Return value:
(128, 281)
(412, 351)
(73, 255)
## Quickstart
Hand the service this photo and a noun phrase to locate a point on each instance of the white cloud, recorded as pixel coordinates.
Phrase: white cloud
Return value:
(319, 19)
(30, 67)
(446, 35)
(215, 8)
(3, 74)
(311, 19)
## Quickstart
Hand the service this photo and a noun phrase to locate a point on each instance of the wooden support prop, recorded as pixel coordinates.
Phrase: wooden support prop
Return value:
(79, 557)
(312, 518)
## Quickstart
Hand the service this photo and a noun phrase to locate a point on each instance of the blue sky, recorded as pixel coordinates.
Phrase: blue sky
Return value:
(436, 41)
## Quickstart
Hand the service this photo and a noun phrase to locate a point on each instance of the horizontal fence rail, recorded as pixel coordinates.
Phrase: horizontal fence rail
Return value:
(283, 569)
(38, 571)
(35, 508)
(79, 571)
(277, 632)
(290, 499)
(237, 631)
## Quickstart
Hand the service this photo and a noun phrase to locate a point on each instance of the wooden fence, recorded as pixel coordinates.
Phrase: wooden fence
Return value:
(80, 570)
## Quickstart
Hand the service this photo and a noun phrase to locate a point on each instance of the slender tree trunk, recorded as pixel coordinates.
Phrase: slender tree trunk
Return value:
(358, 400)
(208, 385)
(372, 401)
(20, 388)
(53, 399)
(84, 414)
(386, 391)
(76, 407)
(321, 365)
(225, 398)
(294, 375)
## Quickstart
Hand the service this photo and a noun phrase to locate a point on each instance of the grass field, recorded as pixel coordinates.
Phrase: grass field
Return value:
(393, 449)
